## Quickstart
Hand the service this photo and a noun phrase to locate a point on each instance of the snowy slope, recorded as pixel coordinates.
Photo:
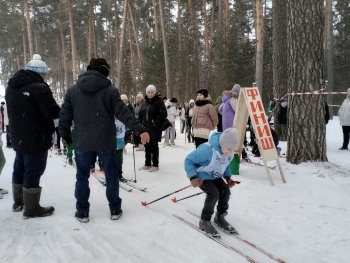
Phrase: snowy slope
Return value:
(305, 220)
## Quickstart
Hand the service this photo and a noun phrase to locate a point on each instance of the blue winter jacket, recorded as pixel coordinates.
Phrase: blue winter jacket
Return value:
(202, 157)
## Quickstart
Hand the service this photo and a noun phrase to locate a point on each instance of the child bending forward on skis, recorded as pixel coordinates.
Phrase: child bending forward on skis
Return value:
(206, 167)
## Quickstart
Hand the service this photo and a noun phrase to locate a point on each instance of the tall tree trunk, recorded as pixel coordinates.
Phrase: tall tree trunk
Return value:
(116, 33)
(91, 35)
(165, 48)
(73, 43)
(132, 58)
(211, 35)
(66, 82)
(306, 122)
(29, 27)
(25, 51)
(195, 44)
(329, 51)
(279, 56)
(136, 35)
(121, 45)
(156, 20)
(259, 32)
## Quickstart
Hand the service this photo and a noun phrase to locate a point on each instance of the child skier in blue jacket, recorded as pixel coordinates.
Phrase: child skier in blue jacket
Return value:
(121, 129)
(206, 167)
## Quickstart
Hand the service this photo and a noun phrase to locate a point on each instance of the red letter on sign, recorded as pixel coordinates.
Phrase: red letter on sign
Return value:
(257, 105)
(262, 117)
(252, 93)
(267, 143)
(264, 131)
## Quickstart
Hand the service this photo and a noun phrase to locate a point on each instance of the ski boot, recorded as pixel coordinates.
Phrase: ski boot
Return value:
(208, 228)
(220, 221)
(116, 215)
(70, 161)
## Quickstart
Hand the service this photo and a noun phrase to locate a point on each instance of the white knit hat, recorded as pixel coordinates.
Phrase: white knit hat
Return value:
(151, 88)
(236, 88)
(37, 65)
(139, 95)
(229, 138)
(123, 97)
(191, 101)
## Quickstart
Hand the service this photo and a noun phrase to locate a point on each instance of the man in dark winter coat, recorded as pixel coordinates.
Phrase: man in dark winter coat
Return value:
(31, 111)
(92, 104)
(153, 114)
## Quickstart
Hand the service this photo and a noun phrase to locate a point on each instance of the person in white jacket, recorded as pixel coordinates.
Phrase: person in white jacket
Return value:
(344, 117)
(170, 131)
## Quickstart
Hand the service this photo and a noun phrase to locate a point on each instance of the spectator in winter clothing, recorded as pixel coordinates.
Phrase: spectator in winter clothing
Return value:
(205, 118)
(2, 159)
(229, 106)
(31, 110)
(5, 125)
(152, 116)
(171, 111)
(182, 113)
(217, 106)
(206, 167)
(189, 115)
(127, 138)
(93, 103)
(137, 109)
(344, 117)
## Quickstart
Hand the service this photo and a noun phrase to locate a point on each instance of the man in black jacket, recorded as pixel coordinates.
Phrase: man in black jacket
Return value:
(92, 104)
(31, 111)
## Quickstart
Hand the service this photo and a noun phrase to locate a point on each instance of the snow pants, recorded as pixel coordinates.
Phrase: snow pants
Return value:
(217, 191)
(28, 168)
(83, 161)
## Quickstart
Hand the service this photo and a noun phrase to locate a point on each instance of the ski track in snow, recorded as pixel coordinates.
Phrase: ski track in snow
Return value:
(305, 220)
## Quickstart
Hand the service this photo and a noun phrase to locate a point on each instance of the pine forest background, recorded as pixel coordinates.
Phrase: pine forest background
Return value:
(183, 45)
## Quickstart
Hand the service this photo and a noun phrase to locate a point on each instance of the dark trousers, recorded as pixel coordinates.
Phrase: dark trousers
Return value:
(84, 160)
(216, 190)
(152, 154)
(8, 137)
(346, 132)
(58, 139)
(119, 158)
(28, 168)
(198, 141)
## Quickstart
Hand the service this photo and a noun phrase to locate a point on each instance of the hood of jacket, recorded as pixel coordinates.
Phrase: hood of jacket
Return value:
(214, 141)
(24, 77)
(92, 81)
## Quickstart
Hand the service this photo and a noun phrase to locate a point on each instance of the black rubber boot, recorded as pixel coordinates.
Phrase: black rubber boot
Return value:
(17, 190)
(31, 198)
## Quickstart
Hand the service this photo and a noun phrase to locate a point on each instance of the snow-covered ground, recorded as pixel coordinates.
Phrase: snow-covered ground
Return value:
(305, 220)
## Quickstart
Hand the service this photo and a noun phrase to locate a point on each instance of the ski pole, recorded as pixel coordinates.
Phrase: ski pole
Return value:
(133, 155)
(144, 203)
(175, 200)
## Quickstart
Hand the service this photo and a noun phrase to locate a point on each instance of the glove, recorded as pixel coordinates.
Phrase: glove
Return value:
(231, 183)
(195, 182)
(67, 140)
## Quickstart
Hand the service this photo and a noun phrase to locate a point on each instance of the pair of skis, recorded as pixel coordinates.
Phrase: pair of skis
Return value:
(126, 184)
(229, 246)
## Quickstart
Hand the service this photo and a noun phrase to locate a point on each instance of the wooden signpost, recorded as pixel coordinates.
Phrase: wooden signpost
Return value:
(250, 104)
